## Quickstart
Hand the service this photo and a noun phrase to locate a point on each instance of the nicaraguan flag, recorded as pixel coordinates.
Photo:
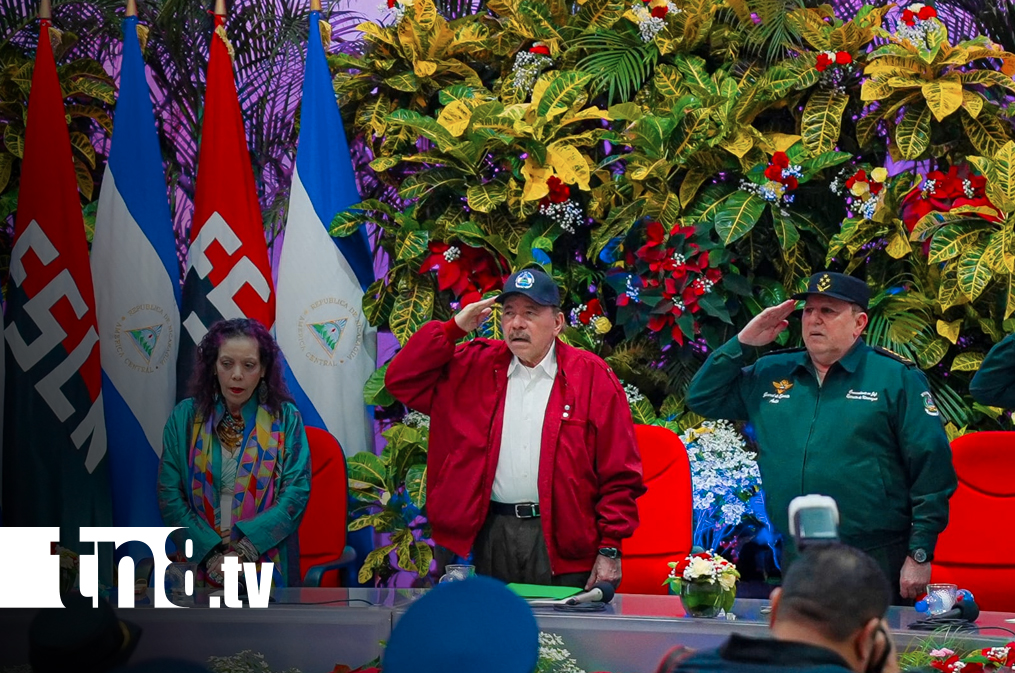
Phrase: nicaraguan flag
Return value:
(137, 296)
(329, 347)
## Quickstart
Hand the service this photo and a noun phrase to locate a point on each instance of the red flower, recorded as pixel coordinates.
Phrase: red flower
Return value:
(592, 309)
(823, 62)
(780, 159)
(875, 187)
(773, 172)
(908, 17)
(559, 192)
(679, 230)
(927, 13)
(536, 48)
(843, 57)
(391, 4)
(468, 274)
(978, 183)
(660, 11)
(656, 322)
(791, 183)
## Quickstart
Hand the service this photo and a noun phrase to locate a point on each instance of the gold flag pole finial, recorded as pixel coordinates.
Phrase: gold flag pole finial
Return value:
(220, 7)
(131, 8)
(315, 5)
(45, 12)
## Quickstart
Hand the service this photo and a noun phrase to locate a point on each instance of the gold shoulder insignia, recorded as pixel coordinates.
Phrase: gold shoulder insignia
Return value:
(893, 355)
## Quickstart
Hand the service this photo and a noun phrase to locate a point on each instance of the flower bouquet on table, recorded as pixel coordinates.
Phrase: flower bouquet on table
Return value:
(706, 583)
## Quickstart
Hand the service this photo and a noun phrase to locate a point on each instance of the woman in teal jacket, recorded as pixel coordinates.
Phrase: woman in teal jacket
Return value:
(235, 467)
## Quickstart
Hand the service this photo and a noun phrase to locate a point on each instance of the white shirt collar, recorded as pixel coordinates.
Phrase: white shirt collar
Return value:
(547, 366)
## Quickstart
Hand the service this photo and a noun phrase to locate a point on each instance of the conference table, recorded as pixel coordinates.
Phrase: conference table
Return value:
(315, 629)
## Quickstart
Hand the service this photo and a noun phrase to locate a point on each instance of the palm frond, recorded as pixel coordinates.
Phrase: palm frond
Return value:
(620, 61)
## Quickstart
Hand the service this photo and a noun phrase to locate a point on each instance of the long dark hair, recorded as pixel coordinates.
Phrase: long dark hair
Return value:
(204, 385)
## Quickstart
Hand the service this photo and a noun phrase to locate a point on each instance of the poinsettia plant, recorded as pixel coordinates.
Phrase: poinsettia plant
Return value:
(673, 280)
(466, 271)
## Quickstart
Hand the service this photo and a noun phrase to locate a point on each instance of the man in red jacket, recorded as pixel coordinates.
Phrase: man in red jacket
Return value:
(532, 461)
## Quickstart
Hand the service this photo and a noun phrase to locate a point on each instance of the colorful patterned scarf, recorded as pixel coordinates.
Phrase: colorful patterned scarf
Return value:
(259, 469)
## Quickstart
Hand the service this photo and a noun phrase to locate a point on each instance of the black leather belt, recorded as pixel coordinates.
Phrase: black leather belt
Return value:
(520, 510)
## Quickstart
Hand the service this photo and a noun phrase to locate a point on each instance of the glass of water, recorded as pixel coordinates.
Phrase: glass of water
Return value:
(180, 581)
(458, 572)
(941, 597)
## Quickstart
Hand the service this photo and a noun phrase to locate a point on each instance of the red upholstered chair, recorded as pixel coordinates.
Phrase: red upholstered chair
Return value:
(975, 551)
(665, 513)
(322, 531)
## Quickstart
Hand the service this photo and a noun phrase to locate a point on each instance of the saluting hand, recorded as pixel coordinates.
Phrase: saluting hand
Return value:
(767, 325)
(475, 314)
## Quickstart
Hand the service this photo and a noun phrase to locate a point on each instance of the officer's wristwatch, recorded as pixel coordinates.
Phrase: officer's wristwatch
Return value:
(609, 552)
(919, 555)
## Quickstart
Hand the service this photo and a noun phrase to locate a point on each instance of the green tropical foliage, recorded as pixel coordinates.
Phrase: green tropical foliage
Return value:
(715, 158)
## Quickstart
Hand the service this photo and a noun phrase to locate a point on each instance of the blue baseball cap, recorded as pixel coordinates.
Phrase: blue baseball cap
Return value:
(473, 625)
(838, 286)
(535, 284)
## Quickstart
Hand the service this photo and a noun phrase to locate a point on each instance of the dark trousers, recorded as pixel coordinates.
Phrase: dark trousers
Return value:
(890, 557)
(513, 550)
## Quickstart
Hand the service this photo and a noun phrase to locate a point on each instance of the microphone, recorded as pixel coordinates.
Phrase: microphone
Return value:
(602, 592)
(966, 610)
(961, 616)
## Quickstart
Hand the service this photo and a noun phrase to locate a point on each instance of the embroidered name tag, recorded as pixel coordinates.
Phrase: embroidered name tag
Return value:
(862, 395)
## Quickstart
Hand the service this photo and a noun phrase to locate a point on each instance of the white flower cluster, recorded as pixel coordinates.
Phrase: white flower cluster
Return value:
(554, 657)
(527, 69)
(415, 419)
(633, 394)
(649, 26)
(246, 661)
(631, 291)
(398, 9)
(917, 33)
(575, 313)
(967, 188)
(773, 192)
(704, 284)
(724, 473)
(452, 253)
(567, 214)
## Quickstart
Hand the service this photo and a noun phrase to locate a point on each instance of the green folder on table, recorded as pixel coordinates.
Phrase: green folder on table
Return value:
(541, 591)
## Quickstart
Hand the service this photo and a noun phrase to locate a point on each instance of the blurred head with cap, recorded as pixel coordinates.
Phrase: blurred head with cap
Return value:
(834, 315)
(79, 637)
(531, 318)
(474, 625)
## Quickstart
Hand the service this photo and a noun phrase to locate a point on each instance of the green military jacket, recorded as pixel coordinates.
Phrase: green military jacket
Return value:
(994, 383)
(870, 436)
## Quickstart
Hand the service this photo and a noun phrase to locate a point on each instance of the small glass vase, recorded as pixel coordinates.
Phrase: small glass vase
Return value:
(701, 599)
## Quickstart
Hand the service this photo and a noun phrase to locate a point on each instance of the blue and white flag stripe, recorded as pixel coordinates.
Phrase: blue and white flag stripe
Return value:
(137, 296)
(329, 347)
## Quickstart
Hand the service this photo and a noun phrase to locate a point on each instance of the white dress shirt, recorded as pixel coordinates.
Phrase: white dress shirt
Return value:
(528, 391)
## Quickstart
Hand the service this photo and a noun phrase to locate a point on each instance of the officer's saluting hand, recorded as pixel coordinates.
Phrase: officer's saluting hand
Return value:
(767, 325)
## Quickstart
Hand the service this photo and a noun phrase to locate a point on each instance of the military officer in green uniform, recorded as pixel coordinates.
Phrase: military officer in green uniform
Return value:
(842, 419)
(994, 383)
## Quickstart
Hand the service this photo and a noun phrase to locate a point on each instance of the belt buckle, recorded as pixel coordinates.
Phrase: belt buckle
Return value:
(533, 510)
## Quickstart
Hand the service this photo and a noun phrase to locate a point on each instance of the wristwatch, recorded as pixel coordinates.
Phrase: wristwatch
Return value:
(919, 555)
(609, 552)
